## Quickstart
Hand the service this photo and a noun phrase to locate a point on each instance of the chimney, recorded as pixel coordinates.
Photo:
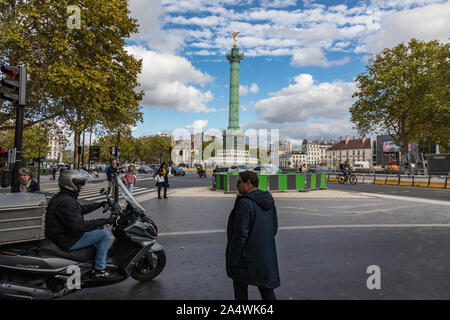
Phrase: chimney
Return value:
(364, 139)
(347, 139)
(340, 138)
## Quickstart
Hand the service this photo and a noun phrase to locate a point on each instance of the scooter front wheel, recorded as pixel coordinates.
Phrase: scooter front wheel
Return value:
(150, 266)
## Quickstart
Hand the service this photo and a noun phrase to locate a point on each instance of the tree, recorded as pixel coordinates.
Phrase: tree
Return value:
(157, 149)
(80, 76)
(403, 93)
(131, 148)
(36, 140)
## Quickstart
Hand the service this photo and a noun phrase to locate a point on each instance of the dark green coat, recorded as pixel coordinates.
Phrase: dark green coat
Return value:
(251, 254)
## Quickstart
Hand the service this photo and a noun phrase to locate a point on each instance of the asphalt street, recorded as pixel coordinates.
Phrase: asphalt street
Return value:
(326, 242)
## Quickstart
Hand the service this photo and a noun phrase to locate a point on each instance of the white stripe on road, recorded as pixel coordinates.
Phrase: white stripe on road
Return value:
(421, 200)
(345, 226)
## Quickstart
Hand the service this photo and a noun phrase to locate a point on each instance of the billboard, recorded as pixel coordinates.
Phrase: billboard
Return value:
(389, 146)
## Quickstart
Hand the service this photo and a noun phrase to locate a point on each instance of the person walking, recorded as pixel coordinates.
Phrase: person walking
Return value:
(251, 255)
(110, 171)
(26, 182)
(129, 179)
(162, 179)
(54, 173)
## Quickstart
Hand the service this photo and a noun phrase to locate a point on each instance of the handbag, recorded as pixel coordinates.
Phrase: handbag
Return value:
(159, 178)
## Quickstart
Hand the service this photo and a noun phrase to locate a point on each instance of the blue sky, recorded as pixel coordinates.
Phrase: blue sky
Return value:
(300, 59)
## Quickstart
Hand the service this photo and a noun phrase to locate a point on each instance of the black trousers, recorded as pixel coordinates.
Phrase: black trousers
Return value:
(159, 192)
(241, 292)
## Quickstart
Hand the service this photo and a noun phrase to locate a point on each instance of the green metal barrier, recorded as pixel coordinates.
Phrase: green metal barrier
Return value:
(277, 182)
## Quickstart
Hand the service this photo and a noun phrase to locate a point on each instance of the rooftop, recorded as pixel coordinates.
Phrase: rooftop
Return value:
(351, 144)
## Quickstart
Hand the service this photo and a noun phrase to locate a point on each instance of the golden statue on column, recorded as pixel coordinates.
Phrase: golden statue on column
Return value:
(234, 37)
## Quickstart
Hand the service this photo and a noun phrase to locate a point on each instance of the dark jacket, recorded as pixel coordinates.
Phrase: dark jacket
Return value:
(110, 172)
(166, 178)
(251, 254)
(64, 222)
(34, 187)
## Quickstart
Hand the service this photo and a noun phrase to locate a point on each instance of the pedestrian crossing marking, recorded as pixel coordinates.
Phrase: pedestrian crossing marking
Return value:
(92, 192)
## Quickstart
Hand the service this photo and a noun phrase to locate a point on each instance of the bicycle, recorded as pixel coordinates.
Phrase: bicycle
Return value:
(341, 178)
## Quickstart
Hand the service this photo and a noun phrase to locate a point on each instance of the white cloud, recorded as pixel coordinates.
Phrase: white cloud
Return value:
(167, 81)
(304, 100)
(321, 129)
(314, 57)
(147, 13)
(425, 23)
(278, 3)
(199, 124)
(244, 90)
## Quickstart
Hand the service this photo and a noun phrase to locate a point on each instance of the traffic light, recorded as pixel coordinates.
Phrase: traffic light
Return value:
(17, 81)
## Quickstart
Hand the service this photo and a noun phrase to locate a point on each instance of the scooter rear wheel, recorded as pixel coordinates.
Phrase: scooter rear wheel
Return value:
(150, 266)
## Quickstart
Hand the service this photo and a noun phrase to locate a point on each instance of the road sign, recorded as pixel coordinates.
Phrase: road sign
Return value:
(94, 153)
(12, 155)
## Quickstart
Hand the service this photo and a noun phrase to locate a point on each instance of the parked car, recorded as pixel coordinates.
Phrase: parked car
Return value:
(177, 171)
(238, 168)
(145, 169)
(154, 167)
(267, 169)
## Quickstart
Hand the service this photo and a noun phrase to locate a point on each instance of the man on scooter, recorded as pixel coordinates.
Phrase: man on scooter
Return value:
(65, 224)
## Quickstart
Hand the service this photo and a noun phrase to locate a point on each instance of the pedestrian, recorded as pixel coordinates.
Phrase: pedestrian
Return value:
(129, 179)
(26, 182)
(54, 173)
(251, 255)
(110, 171)
(162, 179)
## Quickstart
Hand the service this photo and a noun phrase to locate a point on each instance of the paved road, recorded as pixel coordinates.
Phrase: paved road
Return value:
(326, 241)
(416, 192)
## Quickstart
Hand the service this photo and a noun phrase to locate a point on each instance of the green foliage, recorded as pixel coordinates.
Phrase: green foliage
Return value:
(80, 76)
(135, 150)
(404, 92)
(35, 141)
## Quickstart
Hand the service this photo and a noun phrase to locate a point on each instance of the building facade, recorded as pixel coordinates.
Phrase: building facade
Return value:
(350, 150)
(293, 160)
(316, 151)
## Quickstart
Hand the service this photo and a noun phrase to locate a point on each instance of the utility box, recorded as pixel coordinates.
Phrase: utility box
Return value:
(22, 217)
(438, 164)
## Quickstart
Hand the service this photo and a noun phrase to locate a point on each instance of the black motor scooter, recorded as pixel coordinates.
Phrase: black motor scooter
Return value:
(41, 270)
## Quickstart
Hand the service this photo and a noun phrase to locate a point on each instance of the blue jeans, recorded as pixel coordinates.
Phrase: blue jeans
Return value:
(99, 238)
(130, 187)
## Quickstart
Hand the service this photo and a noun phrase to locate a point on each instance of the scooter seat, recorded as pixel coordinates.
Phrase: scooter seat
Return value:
(49, 247)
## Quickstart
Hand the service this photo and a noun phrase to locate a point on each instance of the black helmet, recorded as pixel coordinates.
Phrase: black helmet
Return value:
(72, 179)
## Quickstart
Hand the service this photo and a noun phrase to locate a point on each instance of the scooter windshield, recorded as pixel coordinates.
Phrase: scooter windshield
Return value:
(127, 195)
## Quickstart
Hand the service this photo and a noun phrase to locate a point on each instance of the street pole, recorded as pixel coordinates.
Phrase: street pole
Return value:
(90, 143)
(118, 147)
(18, 136)
(39, 166)
(82, 152)
(116, 187)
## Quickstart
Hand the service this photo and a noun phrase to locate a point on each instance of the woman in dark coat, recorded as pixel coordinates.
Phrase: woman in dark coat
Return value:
(251, 254)
(26, 182)
(162, 172)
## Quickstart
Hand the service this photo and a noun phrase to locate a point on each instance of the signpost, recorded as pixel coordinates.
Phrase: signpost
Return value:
(94, 153)
(12, 155)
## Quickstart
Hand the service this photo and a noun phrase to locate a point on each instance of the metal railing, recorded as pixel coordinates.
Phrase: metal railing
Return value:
(430, 181)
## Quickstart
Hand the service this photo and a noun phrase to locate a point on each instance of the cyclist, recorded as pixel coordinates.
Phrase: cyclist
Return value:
(344, 167)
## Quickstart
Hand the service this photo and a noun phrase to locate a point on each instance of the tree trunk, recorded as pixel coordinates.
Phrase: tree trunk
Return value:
(76, 143)
(403, 153)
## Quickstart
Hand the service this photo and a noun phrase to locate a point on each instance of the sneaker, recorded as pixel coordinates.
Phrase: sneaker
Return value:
(101, 274)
